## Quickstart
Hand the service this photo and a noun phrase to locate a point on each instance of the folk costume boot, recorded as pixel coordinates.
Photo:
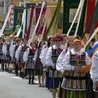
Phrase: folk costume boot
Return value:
(22, 74)
(29, 80)
(33, 80)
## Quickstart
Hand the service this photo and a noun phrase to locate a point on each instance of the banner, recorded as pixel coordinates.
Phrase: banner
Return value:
(70, 8)
(30, 23)
(90, 10)
(41, 24)
(18, 11)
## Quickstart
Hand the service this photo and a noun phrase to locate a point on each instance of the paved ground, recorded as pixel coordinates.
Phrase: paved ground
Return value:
(12, 86)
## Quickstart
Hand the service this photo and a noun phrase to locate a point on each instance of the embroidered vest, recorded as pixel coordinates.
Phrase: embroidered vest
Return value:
(55, 54)
(77, 60)
(75, 80)
(1, 44)
(53, 73)
(32, 52)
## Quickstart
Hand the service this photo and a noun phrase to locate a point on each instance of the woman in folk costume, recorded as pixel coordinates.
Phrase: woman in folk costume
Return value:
(67, 47)
(94, 71)
(29, 63)
(52, 55)
(59, 66)
(75, 79)
(43, 59)
(19, 56)
(37, 62)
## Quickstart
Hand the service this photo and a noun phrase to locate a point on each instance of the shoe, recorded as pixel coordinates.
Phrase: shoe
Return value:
(33, 82)
(29, 82)
(42, 85)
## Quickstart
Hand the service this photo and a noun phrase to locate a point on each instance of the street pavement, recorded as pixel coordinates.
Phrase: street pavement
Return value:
(12, 86)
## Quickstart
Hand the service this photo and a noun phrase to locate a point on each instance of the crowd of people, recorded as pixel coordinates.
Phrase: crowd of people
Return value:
(60, 62)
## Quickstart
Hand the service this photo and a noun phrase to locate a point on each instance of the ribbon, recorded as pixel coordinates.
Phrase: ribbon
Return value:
(24, 23)
(93, 49)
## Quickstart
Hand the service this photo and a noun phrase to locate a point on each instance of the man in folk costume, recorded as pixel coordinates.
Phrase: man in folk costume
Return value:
(74, 82)
(29, 63)
(19, 56)
(51, 59)
(94, 71)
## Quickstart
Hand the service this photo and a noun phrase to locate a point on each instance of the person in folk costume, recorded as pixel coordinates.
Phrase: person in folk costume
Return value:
(44, 67)
(29, 63)
(52, 55)
(43, 59)
(59, 63)
(74, 81)
(12, 49)
(84, 40)
(68, 45)
(19, 56)
(4, 52)
(37, 62)
(92, 43)
(89, 90)
(14, 46)
(9, 39)
(94, 73)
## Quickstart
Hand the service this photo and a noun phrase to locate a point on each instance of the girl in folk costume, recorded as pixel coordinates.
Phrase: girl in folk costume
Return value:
(37, 62)
(51, 59)
(8, 52)
(75, 79)
(44, 67)
(43, 59)
(4, 52)
(19, 56)
(13, 47)
(94, 71)
(29, 63)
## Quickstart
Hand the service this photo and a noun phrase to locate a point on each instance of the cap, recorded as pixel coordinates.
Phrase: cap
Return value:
(57, 36)
(76, 40)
